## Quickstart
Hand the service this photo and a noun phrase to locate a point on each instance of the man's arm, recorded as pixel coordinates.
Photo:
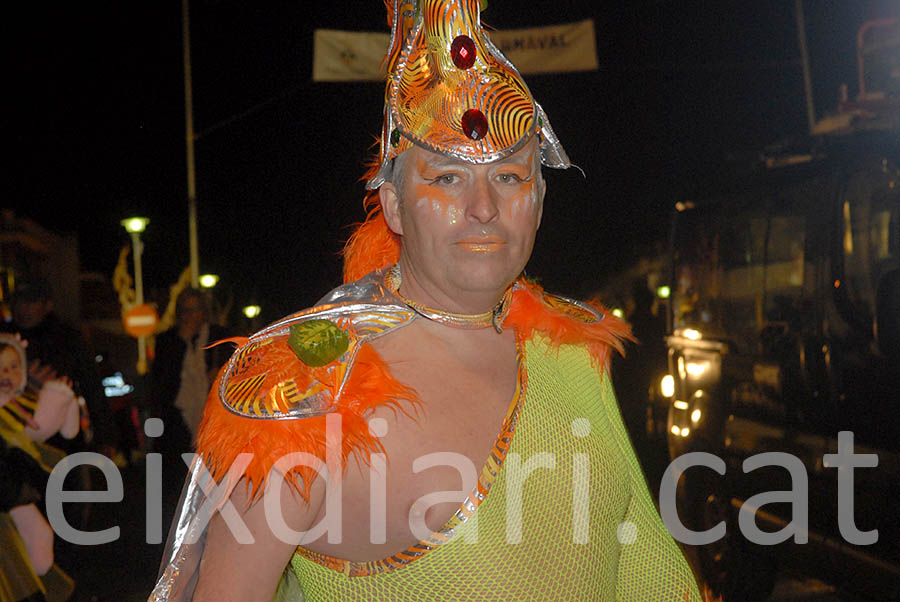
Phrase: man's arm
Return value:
(231, 571)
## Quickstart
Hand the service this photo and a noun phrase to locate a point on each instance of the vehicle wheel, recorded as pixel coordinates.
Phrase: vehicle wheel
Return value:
(733, 567)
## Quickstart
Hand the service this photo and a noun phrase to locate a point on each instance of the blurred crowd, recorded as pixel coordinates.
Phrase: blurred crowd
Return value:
(54, 401)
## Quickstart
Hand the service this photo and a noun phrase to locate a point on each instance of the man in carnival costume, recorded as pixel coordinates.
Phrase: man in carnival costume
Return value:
(457, 432)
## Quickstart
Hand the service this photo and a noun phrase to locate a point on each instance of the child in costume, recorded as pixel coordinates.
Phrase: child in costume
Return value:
(27, 419)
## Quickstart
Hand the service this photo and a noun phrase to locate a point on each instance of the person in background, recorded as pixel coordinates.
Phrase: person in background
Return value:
(182, 371)
(28, 417)
(640, 369)
(58, 350)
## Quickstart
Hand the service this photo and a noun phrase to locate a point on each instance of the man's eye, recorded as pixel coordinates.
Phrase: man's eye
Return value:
(509, 178)
(447, 178)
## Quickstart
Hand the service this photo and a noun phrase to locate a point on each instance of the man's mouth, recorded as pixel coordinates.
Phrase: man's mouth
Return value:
(481, 244)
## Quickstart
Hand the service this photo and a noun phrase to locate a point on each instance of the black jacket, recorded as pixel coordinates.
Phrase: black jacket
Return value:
(165, 374)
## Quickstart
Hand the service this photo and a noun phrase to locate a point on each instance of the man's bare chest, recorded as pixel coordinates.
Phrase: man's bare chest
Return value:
(432, 456)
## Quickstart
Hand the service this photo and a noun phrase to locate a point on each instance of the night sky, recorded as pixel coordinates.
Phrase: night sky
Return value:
(94, 127)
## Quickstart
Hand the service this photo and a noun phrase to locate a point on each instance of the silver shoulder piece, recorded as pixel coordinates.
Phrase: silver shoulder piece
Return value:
(258, 381)
(577, 310)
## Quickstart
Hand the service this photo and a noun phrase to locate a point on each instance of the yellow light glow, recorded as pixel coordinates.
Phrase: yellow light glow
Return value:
(135, 224)
(208, 280)
(663, 292)
(680, 405)
(251, 311)
(685, 432)
(618, 313)
(696, 369)
(667, 385)
(695, 416)
(676, 430)
(692, 334)
(848, 230)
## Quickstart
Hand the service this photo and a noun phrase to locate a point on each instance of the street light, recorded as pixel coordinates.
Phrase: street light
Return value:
(208, 280)
(251, 311)
(134, 226)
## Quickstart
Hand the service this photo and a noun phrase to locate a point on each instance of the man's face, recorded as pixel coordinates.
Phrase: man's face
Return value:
(465, 228)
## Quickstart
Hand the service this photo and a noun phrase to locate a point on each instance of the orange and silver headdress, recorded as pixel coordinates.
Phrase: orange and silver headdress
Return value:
(451, 90)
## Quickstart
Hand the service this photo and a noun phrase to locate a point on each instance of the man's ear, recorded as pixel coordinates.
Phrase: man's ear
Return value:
(542, 192)
(390, 206)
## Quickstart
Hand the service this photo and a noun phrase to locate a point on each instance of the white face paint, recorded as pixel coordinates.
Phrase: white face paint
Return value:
(421, 203)
(450, 259)
(514, 209)
(453, 214)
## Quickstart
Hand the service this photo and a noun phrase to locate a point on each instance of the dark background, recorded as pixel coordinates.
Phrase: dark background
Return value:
(94, 127)
(93, 131)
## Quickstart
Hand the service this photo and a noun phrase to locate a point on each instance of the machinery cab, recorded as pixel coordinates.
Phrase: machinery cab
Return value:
(784, 331)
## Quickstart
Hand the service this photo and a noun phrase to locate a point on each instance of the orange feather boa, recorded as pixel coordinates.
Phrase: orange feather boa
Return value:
(224, 435)
(530, 314)
(372, 246)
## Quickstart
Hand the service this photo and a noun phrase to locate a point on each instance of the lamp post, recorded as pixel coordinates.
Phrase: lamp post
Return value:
(134, 226)
(189, 142)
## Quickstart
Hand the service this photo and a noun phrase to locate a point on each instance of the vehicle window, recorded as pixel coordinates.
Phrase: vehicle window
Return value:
(871, 230)
(881, 61)
(738, 268)
(867, 380)
(784, 260)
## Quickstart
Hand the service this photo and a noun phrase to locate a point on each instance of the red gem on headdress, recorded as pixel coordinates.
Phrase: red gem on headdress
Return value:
(463, 52)
(474, 124)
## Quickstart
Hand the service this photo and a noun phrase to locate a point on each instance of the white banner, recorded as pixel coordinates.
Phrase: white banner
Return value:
(355, 56)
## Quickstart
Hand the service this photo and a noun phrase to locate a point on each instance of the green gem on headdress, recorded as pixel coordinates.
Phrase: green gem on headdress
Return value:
(395, 137)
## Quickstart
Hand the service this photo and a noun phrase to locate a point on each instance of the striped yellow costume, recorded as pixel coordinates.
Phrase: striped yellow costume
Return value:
(18, 580)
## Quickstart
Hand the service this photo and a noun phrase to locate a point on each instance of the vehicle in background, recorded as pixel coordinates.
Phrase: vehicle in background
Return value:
(784, 330)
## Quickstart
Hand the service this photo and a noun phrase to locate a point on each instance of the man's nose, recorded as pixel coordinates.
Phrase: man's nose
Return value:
(483, 205)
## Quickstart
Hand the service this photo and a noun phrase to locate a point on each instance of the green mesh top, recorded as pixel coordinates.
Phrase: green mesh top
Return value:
(587, 529)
